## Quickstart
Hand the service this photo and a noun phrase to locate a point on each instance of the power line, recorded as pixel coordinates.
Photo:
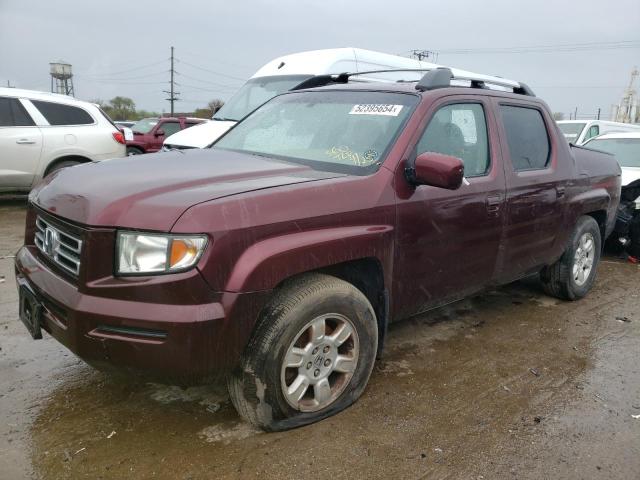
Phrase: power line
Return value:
(140, 67)
(125, 78)
(112, 82)
(567, 47)
(182, 62)
(234, 65)
(205, 89)
(207, 82)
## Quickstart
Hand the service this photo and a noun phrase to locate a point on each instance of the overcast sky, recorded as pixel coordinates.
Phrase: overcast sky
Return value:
(108, 41)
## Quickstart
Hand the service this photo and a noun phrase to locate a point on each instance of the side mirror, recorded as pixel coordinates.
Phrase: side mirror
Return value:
(159, 133)
(437, 170)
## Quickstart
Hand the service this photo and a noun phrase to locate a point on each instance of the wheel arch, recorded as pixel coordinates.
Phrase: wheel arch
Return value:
(600, 216)
(367, 275)
(65, 158)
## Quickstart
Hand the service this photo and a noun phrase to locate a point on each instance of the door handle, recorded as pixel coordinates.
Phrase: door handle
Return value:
(560, 191)
(25, 141)
(493, 203)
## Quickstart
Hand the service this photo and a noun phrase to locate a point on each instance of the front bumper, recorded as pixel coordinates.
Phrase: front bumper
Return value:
(173, 342)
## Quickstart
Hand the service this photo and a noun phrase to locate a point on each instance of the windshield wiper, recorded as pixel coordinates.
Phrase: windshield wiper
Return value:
(224, 119)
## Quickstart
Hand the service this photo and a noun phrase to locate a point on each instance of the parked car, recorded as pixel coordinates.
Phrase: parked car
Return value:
(626, 148)
(43, 132)
(580, 131)
(330, 213)
(149, 133)
(294, 72)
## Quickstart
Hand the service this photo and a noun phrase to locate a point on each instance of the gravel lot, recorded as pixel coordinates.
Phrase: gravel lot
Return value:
(510, 384)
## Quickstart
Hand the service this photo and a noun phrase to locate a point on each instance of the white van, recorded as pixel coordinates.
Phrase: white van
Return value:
(291, 72)
(580, 131)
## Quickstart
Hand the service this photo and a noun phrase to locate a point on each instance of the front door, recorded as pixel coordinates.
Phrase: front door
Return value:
(20, 145)
(447, 240)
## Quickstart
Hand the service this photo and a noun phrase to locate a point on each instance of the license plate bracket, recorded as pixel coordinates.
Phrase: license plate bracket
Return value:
(30, 312)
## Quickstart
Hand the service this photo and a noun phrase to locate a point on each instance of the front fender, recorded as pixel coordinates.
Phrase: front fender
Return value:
(265, 264)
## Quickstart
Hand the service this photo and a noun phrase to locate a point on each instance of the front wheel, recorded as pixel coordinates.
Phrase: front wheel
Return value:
(572, 276)
(310, 357)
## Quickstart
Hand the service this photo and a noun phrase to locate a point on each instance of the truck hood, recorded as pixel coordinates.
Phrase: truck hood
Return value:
(150, 192)
(198, 136)
(629, 175)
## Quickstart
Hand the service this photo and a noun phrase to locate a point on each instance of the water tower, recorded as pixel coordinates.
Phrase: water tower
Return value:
(61, 78)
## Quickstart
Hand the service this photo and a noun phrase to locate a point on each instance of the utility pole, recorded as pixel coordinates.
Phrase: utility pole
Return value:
(424, 54)
(172, 93)
(598, 113)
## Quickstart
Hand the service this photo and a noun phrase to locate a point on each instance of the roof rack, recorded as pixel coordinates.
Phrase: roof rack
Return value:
(441, 78)
(434, 78)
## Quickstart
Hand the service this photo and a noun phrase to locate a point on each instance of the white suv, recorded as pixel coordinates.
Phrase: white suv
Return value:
(42, 132)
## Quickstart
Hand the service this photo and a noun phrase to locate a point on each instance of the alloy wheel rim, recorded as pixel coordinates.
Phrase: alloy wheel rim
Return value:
(320, 362)
(583, 259)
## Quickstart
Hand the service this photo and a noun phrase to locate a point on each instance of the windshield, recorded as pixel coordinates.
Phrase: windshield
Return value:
(145, 125)
(254, 93)
(626, 150)
(331, 130)
(571, 131)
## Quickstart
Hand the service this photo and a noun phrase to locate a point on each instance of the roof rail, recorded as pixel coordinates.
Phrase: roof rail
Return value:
(441, 77)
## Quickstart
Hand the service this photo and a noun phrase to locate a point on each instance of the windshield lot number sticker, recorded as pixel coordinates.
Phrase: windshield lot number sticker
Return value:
(376, 109)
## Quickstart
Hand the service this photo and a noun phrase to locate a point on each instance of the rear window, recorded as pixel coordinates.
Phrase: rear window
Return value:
(60, 114)
(13, 114)
(527, 137)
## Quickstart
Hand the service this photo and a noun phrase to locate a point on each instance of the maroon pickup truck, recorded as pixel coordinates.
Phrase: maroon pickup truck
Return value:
(280, 255)
(149, 133)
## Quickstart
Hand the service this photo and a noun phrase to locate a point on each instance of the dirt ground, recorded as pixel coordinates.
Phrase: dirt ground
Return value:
(510, 384)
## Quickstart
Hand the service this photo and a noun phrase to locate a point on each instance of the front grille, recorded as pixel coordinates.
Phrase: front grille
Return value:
(61, 247)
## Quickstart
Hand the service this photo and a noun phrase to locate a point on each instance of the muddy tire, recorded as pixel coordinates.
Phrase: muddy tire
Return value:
(571, 277)
(310, 356)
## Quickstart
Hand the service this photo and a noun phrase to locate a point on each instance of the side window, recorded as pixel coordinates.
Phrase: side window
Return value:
(527, 137)
(60, 114)
(459, 130)
(13, 114)
(594, 131)
(170, 128)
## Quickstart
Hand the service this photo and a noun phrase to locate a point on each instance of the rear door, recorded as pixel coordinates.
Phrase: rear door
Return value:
(536, 183)
(20, 145)
(448, 240)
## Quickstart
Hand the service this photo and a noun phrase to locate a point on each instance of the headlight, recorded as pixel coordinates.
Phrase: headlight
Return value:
(149, 253)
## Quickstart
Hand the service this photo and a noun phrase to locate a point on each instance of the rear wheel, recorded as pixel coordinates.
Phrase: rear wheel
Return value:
(310, 357)
(573, 275)
(134, 151)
